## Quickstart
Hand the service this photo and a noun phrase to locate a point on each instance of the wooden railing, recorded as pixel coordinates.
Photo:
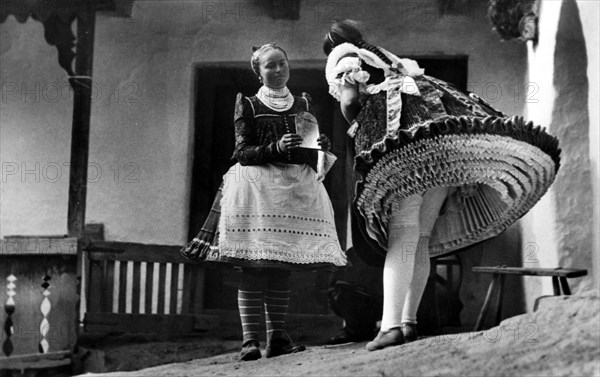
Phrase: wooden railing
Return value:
(129, 288)
(133, 287)
(38, 302)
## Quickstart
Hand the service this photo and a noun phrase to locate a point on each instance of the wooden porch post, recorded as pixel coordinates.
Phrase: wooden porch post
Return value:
(81, 83)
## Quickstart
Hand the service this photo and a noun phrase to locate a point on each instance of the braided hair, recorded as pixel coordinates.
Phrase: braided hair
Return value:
(346, 31)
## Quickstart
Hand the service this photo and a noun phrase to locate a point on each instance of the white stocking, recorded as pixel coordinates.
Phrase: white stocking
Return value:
(418, 282)
(430, 209)
(403, 235)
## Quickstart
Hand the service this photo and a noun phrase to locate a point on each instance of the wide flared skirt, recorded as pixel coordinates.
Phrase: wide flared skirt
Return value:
(499, 166)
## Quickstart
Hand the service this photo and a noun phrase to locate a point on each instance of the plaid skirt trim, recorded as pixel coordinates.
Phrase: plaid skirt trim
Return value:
(200, 246)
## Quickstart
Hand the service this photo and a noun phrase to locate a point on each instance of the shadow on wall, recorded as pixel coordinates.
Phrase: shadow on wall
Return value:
(571, 123)
(504, 249)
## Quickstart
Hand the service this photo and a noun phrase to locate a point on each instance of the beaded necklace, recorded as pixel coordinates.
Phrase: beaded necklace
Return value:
(276, 99)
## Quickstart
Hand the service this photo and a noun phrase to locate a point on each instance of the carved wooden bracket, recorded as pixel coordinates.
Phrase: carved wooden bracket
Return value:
(58, 32)
(57, 16)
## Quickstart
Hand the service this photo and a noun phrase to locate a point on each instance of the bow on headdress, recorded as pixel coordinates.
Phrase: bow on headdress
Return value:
(397, 78)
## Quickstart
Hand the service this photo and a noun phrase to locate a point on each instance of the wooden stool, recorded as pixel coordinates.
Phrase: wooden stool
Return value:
(499, 272)
(440, 305)
(452, 265)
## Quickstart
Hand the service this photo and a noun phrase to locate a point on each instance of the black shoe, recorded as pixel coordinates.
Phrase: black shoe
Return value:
(250, 351)
(392, 337)
(410, 331)
(281, 346)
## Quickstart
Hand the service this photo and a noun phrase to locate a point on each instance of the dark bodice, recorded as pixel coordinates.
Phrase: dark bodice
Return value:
(258, 128)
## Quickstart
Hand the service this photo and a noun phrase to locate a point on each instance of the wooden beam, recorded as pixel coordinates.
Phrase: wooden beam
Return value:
(559, 272)
(135, 252)
(38, 245)
(81, 83)
(36, 361)
(139, 323)
(80, 134)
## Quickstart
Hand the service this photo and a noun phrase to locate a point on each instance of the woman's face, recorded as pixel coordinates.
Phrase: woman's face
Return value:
(274, 69)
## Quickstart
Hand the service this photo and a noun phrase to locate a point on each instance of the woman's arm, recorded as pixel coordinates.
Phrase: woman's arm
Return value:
(349, 101)
(247, 149)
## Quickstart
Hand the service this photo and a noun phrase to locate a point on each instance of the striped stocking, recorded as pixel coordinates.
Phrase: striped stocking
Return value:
(250, 300)
(277, 300)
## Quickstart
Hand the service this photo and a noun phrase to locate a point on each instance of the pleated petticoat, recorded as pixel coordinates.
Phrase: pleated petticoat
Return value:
(500, 166)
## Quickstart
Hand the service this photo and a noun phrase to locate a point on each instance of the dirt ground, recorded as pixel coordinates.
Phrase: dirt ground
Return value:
(561, 339)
